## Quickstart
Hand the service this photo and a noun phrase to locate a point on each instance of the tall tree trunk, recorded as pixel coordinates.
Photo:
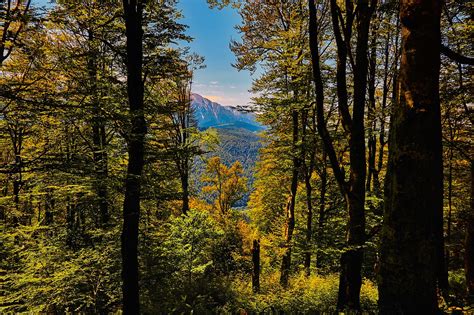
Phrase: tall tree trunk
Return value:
(412, 242)
(256, 266)
(469, 243)
(16, 135)
(351, 261)
(309, 224)
(70, 223)
(98, 136)
(290, 208)
(16, 189)
(322, 211)
(185, 139)
(308, 172)
(354, 190)
(49, 207)
(371, 113)
(131, 208)
(450, 190)
(185, 197)
(102, 172)
(382, 142)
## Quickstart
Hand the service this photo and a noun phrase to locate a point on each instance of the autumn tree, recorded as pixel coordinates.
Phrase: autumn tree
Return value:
(225, 183)
(14, 18)
(274, 40)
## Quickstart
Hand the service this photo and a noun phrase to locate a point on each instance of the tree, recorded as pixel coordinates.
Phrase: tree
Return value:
(469, 241)
(457, 120)
(412, 242)
(133, 14)
(225, 183)
(273, 39)
(89, 69)
(353, 190)
(183, 144)
(14, 18)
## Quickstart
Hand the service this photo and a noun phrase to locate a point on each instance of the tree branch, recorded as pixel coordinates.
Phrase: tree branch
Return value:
(451, 54)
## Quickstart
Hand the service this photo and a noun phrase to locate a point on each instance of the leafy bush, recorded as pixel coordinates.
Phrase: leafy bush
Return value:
(50, 277)
(307, 295)
(177, 274)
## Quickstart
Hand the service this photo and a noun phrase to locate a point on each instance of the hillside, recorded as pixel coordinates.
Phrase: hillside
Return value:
(238, 135)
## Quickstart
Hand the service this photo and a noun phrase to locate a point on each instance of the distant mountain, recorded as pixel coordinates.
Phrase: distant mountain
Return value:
(213, 115)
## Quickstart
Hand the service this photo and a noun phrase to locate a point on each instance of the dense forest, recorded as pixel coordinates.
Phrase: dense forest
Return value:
(360, 200)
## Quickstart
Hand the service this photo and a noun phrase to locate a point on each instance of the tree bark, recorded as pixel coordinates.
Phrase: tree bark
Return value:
(16, 14)
(469, 243)
(49, 207)
(371, 113)
(256, 266)
(133, 10)
(184, 139)
(98, 137)
(290, 209)
(353, 190)
(308, 172)
(450, 190)
(322, 211)
(382, 142)
(185, 197)
(351, 260)
(412, 243)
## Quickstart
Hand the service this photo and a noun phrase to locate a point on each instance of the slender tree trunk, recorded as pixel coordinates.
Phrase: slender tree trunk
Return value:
(98, 137)
(382, 142)
(469, 243)
(70, 215)
(290, 209)
(450, 191)
(371, 113)
(49, 207)
(354, 190)
(412, 243)
(102, 175)
(256, 266)
(185, 125)
(16, 189)
(351, 261)
(309, 224)
(308, 172)
(70, 208)
(185, 197)
(16, 135)
(131, 208)
(322, 211)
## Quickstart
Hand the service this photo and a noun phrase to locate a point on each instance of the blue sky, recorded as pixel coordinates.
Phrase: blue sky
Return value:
(212, 30)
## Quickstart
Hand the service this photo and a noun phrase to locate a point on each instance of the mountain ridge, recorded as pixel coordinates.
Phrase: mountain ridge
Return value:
(210, 114)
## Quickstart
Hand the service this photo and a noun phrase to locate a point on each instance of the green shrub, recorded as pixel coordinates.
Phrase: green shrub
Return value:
(306, 295)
